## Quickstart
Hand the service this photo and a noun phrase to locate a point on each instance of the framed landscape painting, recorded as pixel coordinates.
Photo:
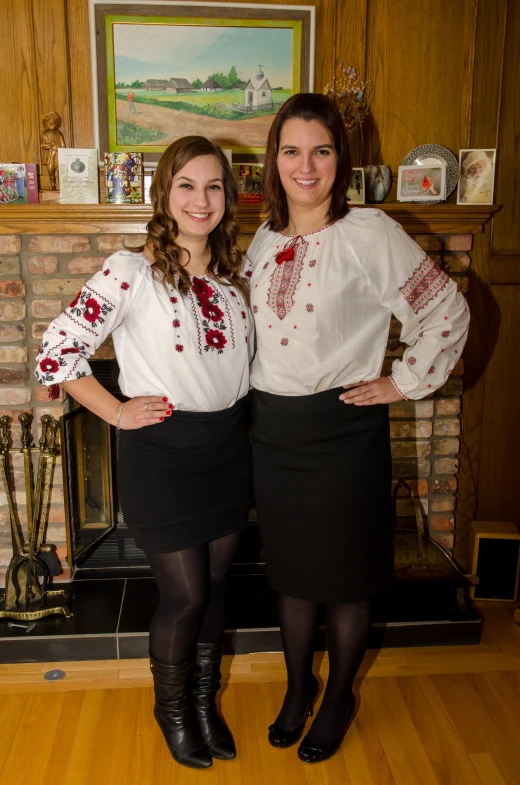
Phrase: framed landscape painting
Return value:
(221, 70)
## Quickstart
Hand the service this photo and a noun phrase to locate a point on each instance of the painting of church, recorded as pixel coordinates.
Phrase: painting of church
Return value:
(258, 90)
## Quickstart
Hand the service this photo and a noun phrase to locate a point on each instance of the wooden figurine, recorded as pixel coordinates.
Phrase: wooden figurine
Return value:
(52, 140)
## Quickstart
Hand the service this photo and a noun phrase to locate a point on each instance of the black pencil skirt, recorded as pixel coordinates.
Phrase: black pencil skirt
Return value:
(187, 480)
(322, 479)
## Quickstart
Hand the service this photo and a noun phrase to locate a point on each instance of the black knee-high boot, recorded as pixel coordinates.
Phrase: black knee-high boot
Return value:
(175, 714)
(206, 683)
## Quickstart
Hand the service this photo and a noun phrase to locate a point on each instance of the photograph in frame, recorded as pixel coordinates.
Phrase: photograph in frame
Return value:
(476, 176)
(421, 183)
(356, 190)
(166, 70)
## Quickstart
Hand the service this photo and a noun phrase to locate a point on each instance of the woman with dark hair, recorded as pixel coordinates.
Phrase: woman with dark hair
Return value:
(177, 308)
(325, 282)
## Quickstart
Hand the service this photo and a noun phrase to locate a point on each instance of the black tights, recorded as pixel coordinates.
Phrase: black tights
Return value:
(347, 626)
(192, 588)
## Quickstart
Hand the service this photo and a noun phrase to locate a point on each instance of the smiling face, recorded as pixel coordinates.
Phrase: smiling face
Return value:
(307, 163)
(197, 199)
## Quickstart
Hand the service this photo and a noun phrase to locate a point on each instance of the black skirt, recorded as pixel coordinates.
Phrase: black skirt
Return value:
(187, 480)
(322, 478)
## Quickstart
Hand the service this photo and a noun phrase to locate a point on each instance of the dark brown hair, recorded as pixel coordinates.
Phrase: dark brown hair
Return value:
(306, 106)
(162, 230)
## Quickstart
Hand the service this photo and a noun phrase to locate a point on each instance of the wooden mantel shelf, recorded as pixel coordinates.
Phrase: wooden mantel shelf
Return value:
(53, 218)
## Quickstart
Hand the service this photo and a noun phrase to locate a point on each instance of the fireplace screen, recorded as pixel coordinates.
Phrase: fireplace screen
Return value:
(87, 460)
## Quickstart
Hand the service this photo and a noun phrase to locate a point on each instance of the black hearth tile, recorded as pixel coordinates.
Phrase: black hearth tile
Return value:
(139, 603)
(58, 648)
(440, 633)
(248, 641)
(101, 573)
(96, 606)
(133, 646)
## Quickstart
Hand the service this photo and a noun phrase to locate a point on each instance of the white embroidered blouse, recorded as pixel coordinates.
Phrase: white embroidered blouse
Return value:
(195, 349)
(322, 311)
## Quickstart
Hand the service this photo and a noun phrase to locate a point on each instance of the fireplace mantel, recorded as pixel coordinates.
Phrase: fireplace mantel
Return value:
(56, 218)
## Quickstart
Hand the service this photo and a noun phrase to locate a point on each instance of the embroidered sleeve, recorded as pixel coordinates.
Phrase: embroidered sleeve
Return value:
(433, 313)
(98, 308)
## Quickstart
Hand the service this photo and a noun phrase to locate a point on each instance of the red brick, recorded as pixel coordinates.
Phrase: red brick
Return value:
(445, 539)
(105, 351)
(447, 406)
(10, 243)
(10, 265)
(13, 354)
(443, 505)
(38, 328)
(43, 265)
(12, 312)
(14, 375)
(41, 393)
(400, 429)
(108, 243)
(62, 243)
(448, 485)
(58, 286)
(12, 289)
(411, 409)
(446, 446)
(453, 386)
(419, 487)
(458, 242)
(411, 469)
(410, 449)
(404, 507)
(446, 466)
(46, 309)
(85, 264)
(448, 427)
(442, 523)
(14, 395)
(428, 242)
(456, 262)
(12, 332)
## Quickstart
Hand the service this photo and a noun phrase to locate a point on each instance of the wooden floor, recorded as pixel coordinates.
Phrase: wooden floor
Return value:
(430, 716)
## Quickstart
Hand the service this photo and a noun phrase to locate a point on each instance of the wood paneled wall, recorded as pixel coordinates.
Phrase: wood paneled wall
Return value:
(444, 71)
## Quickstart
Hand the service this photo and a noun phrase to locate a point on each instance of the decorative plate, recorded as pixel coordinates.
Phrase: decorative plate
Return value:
(431, 154)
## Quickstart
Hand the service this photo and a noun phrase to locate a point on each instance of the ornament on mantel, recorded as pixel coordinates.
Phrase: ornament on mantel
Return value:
(353, 96)
(51, 140)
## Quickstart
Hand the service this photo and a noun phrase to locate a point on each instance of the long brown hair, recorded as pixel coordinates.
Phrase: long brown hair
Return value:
(306, 106)
(162, 231)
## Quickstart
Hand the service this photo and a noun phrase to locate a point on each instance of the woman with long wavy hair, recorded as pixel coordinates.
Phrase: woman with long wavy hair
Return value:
(178, 312)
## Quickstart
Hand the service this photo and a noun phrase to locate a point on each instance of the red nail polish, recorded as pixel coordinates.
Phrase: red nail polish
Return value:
(165, 399)
(161, 418)
(171, 406)
(167, 414)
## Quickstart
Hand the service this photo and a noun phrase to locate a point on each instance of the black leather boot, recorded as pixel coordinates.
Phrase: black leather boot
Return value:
(205, 685)
(175, 715)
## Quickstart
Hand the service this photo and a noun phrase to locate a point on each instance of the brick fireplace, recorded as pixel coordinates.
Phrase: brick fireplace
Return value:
(47, 252)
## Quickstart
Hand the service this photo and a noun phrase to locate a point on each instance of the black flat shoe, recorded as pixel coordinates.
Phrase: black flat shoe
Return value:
(309, 752)
(283, 737)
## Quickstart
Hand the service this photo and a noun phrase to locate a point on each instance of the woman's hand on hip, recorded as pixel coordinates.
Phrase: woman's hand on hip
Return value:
(145, 410)
(369, 393)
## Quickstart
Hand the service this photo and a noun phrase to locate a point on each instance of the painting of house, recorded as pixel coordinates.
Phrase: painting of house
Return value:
(155, 84)
(257, 91)
(211, 86)
(176, 85)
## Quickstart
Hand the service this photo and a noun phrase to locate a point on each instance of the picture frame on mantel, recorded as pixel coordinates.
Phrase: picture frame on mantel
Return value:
(162, 70)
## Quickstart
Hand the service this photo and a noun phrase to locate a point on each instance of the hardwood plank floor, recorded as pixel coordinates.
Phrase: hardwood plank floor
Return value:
(432, 716)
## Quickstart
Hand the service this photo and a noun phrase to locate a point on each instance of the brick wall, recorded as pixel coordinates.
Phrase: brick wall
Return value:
(40, 274)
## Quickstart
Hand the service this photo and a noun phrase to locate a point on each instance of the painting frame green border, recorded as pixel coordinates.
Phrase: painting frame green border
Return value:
(301, 19)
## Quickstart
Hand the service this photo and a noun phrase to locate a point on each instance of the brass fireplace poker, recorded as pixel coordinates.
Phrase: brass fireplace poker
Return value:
(34, 563)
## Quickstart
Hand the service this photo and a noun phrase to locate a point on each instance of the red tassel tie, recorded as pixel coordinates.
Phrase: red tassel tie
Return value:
(54, 392)
(287, 255)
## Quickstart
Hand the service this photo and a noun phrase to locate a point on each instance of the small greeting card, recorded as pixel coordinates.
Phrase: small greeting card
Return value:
(79, 180)
(356, 189)
(421, 183)
(249, 178)
(18, 184)
(124, 178)
(476, 176)
(147, 181)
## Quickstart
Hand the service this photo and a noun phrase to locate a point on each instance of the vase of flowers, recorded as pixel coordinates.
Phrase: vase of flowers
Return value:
(353, 96)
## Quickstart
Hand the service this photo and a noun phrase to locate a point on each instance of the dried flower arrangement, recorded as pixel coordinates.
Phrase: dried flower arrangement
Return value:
(352, 96)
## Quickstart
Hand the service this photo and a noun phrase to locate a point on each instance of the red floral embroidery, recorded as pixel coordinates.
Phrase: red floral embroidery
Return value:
(445, 333)
(255, 309)
(69, 350)
(92, 310)
(215, 340)
(286, 277)
(312, 263)
(284, 341)
(76, 299)
(445, 318)
(432, 369)
(211, 311)
(62, 332)
(310, 307)
(295, 327)
(176, 323)
(412, 360)
(425, 283)
(266, 265)
(243, 314)
(179, 347)
(286, 255)
(249, 274)
(233, 294)
(173, 299)
(106, 272)
(125, 286)
(202, 289)
(48, 365)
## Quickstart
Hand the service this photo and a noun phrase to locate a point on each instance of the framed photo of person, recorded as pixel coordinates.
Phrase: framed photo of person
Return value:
(356, 190)
(476, 176)
(162, 70)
